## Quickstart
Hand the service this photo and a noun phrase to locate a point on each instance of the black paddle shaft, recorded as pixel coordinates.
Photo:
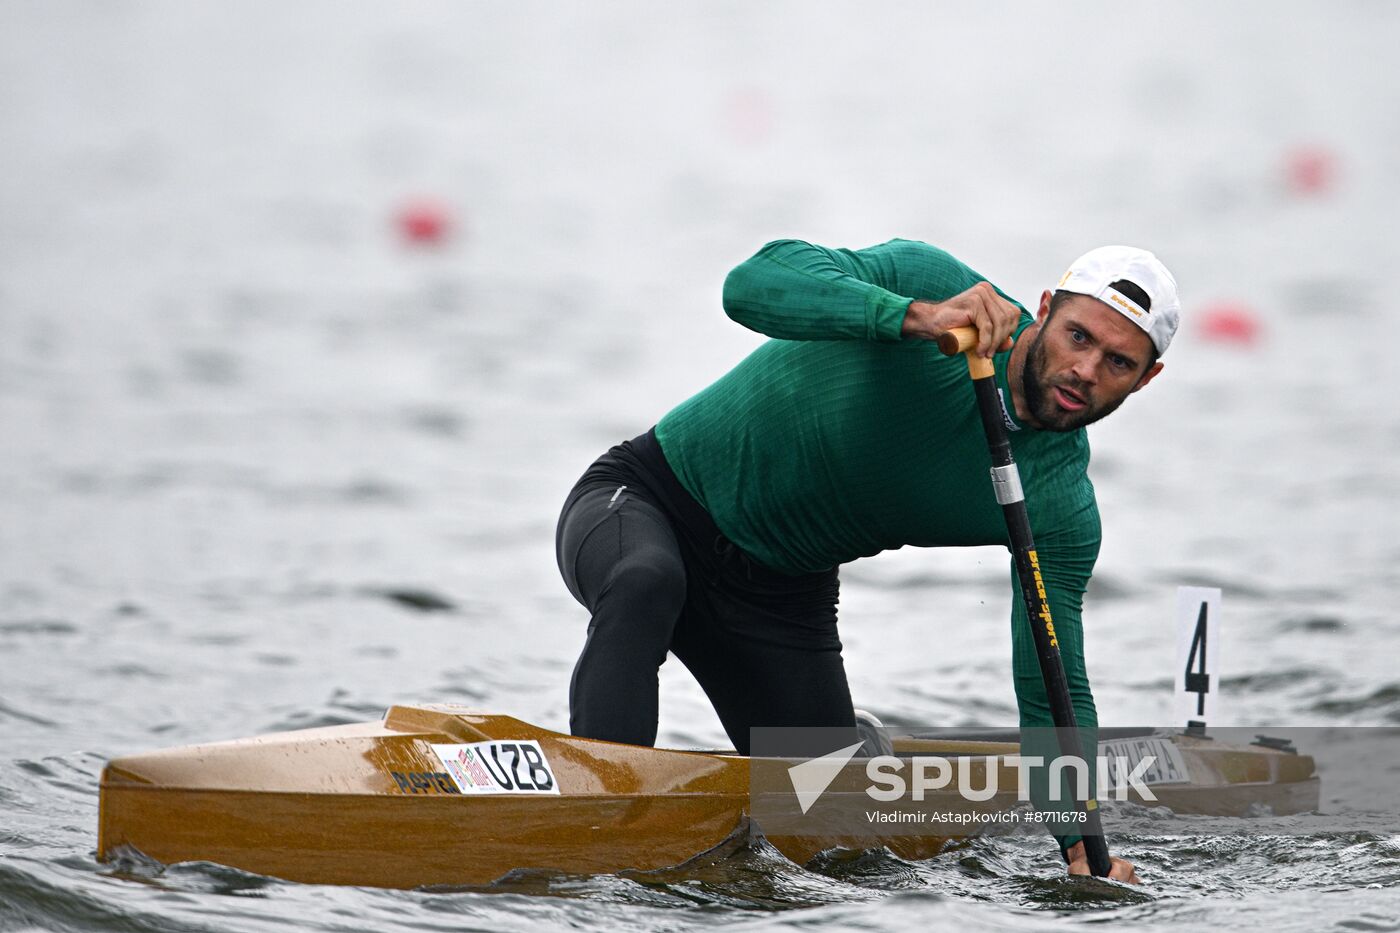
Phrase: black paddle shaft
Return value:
(1007, 483)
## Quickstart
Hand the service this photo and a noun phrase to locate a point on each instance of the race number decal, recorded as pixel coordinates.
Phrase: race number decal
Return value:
(1153, 759)
(1197, 653)
(498, 767)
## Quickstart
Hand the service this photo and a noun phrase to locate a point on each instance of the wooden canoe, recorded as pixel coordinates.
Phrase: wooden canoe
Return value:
(378, 803)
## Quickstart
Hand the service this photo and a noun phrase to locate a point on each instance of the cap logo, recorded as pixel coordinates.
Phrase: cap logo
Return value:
(1125, 304)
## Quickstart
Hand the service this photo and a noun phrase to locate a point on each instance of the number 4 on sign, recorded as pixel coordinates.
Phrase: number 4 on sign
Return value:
(1198, 654)
(1198, 681)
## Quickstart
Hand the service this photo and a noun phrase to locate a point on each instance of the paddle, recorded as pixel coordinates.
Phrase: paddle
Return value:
(1007, 483)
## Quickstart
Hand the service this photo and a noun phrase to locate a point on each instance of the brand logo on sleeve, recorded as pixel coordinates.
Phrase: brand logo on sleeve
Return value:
(1006, 418)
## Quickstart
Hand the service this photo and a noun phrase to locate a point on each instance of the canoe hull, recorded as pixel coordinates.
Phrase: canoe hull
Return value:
(373, 804)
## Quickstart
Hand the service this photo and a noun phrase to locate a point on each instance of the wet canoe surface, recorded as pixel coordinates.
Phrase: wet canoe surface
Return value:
(387, 803)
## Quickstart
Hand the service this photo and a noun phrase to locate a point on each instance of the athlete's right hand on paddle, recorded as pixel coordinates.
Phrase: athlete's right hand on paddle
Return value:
(980, 307)
(1122, 869)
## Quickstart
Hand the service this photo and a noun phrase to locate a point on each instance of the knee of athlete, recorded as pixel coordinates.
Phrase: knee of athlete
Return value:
(653, 579)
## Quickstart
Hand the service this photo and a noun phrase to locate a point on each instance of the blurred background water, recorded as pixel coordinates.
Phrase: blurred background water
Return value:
(278, 450)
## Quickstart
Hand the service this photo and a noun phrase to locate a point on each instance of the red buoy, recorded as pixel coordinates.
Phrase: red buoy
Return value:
(424, 222)
(1229, 322)
(1311, 170)
(749, 115)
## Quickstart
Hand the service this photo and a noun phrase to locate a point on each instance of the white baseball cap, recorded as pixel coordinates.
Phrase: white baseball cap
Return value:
(1095, 273)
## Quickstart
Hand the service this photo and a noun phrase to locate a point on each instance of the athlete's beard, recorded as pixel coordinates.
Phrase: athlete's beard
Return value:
(1036, 384)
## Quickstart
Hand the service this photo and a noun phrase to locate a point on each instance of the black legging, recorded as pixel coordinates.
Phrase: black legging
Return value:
(648, 563)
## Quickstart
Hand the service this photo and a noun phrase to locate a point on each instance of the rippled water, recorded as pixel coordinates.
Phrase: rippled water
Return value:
(265, 466)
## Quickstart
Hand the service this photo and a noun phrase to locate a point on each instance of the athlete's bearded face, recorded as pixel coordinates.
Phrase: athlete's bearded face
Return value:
(1085, 360)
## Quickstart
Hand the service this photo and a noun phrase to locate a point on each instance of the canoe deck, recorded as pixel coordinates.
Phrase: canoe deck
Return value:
(378, 803)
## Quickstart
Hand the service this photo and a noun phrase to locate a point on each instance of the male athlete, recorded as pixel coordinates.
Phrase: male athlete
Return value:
(717, 535)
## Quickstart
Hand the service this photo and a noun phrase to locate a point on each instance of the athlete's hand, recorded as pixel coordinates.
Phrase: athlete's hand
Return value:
(1120, 870)
(980, 306)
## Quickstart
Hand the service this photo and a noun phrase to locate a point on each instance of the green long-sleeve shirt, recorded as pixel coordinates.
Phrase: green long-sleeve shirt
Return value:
(838, 439)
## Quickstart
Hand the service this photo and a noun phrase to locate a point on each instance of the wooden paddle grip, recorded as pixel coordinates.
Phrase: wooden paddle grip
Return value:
(958, 340)
(964, 340)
